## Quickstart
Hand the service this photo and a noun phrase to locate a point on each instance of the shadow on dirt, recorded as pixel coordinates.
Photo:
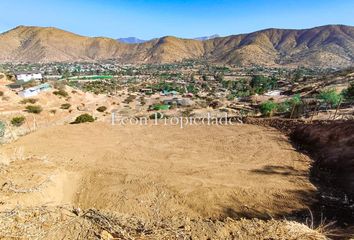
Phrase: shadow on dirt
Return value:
(331, 145)
(280, 170)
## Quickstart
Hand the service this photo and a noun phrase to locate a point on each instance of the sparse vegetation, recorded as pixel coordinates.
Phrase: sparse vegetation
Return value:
(330, 97)
(65, 106)
(294, 102)
(18, 121)
(29, 100)
(129, 99)
(61, 93)
(84, 118)
(162, 90)
(268, 108)
(101, 109)
(36, 109)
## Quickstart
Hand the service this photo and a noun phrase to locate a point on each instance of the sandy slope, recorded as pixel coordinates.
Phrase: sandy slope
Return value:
(165, 171)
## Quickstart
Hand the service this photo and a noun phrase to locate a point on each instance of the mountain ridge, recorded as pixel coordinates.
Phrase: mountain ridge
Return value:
(323, 46)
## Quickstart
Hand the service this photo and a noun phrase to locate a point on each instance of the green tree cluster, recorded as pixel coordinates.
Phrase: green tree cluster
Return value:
(261, 84)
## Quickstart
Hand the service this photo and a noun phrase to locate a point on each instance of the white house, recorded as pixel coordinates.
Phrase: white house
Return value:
(28, 76)
(34, 91)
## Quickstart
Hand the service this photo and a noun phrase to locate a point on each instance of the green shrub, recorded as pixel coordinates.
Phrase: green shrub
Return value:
(65, 106)
(284, 107)
(261, 84)
(330, 97)
(230, 97)
(268, 108)
(34, 109)
(29, 100)
(83, 118)
(295, 100)
(61, 92)
(18, 121)
(101, 109)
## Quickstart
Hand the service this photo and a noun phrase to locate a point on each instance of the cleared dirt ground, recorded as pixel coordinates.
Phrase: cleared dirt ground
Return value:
(159, 171)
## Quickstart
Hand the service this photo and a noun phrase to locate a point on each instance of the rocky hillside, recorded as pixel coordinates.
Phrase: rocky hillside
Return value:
(331, 45)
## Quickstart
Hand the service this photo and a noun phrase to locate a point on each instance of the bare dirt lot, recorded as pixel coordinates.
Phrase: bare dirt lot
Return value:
(160, 171)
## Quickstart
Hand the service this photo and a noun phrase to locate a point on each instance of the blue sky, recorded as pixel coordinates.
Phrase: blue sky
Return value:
(147, 19)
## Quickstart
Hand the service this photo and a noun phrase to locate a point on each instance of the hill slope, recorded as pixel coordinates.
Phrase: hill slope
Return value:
(331, 45)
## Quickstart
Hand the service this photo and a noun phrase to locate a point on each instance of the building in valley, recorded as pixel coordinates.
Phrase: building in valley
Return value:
(28, 76)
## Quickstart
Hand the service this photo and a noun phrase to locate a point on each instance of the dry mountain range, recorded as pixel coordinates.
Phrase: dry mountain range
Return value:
(331, 45)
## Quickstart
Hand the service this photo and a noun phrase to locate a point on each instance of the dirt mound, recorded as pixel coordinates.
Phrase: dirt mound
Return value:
(68, 223)
(30, 181)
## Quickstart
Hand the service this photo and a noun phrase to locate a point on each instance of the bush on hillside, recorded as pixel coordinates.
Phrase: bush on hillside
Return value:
(29, 100)
(330, 97)
(65, 106)
(284, 107)
(268, 108)
(84, 118)
(61, 92)
(34, 109)
(18, 121)
(101, 109)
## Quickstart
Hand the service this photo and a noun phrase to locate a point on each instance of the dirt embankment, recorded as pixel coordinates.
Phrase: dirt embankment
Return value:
(286, 126)
(332, 146)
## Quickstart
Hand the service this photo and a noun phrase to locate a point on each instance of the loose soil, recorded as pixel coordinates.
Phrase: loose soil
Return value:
(235, 171)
